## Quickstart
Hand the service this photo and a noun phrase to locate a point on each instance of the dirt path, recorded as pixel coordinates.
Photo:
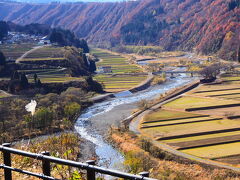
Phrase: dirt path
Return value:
(28, 52)
(6, 93)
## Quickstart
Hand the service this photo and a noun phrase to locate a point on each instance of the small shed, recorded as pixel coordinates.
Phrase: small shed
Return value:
(105, 69)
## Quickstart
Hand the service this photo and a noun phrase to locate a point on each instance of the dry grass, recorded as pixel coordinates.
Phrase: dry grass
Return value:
(216, 151)
(202, 137)
(163, 114)
(190, 128)
(194, 102)
(168, 169)
(199, 98)
(225, 112)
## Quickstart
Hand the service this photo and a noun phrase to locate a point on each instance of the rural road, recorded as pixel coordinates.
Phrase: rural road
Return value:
(134, 127)
(28, 52)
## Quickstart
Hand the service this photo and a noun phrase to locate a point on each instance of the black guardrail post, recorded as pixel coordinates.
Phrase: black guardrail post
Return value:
(7, 162)
(91, 175)
(46, 168)
(144, 174)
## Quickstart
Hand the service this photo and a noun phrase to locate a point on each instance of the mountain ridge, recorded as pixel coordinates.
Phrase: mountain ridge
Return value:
(206, 26)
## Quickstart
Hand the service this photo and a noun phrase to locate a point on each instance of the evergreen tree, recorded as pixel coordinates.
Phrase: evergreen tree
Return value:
(15, 76)
(35, 78)
(2, 59)
(24, 80)
(3, 29)
(233, 4)
(84, 46)
(57, 37)
(39, 83)
(92, 66)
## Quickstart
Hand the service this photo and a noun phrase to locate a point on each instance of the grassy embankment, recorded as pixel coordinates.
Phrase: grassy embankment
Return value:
(124, 75)
(214, 136)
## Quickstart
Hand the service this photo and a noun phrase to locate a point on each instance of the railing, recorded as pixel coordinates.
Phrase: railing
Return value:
(46, 159)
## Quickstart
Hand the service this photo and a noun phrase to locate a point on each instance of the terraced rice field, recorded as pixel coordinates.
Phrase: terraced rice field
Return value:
(231, 78)
(118, 83)
(232, 92)
(46, 55)
(203, 124)
(124, 76)
(203, 133)
(42, 59)
(216, 151)
(195, 102)
(119, 65)
(166, 115)
(200, 137)
(46, 52)
(54, 76)
(14, 51)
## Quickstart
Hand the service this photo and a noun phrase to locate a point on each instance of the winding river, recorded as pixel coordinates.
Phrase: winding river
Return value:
(85, 124)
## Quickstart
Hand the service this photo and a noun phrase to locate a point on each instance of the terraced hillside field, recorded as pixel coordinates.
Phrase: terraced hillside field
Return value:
(45, 58)
(14, 51)
(204, 122)
(123, 75)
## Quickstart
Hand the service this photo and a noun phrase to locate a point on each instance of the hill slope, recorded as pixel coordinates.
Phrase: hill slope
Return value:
(209, 26)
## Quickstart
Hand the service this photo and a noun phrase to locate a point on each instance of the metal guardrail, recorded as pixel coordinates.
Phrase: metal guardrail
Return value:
(46, 159)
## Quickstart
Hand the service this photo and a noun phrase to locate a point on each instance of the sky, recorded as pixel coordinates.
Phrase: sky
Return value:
(46, 1)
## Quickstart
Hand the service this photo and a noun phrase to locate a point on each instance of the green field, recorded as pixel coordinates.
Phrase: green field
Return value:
(118, 64)
(43, 59)
(191, 127)
(46, 52)
(193, 138)
(173, 122)
(123, 76)
(54, 75)
(14, 51)
(163, 115)
(119, 82)
(194, 102)
(231, 78)
(216, 151)
(48, 73)
(217, 93)
(213, 136)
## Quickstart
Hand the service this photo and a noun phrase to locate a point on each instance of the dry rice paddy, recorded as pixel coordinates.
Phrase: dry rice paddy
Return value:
(124, 75)
(209, 133)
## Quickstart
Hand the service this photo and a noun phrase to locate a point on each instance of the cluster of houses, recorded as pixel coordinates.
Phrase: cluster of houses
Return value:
(17, 37)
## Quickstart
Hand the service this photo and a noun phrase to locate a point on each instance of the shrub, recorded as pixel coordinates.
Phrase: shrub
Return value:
(71, 110)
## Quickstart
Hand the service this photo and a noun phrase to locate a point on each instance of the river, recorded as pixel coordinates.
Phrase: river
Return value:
(92, 125)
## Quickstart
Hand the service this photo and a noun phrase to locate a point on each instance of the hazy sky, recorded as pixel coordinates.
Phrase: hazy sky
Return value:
(45, 1)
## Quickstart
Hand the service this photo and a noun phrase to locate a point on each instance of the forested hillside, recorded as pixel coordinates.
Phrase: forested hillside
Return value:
(207, 26)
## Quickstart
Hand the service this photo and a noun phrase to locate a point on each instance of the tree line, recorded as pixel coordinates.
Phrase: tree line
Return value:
(56, 35)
